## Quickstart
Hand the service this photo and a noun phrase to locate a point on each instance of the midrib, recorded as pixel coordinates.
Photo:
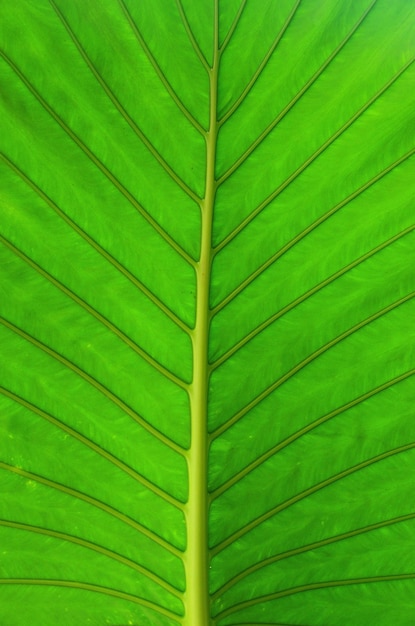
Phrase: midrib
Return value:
(196, 560)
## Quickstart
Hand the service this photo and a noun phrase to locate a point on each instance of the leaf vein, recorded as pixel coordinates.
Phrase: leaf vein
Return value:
(98, 316)
(109, 510)
(75, 584)
(264, 394)
(172, 93)
(308, 492)
(310, 292)
(111, 554)
(306, 429)
(257, 73)
(103, 169)
(312, 587)
(122, 111)
(307, 548)
(191, 36)
(310, 160)
(124, 467)
(104, 253)
(232, 28)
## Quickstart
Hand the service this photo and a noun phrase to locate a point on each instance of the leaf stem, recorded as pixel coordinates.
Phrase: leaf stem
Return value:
(197, 554)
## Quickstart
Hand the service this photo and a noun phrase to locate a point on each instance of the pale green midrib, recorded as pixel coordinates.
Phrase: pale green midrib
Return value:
(196, 558)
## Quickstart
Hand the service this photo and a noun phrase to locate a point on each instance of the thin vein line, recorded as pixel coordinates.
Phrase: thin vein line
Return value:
(191, 36)
(308, 162)
(116, 264)
(232, 28)
(261, 66)
(297, 97)
(306, 429)
(311, 587)
(115, 556)
(307, 492)
(310, 292)
(104, 170)
(309, 229)
(75, 584)
(124, 114)
(125, 519)
(98, 316)
(124, 467)
(264, 394)
(307, 548)
(174, 96)
(97, 385)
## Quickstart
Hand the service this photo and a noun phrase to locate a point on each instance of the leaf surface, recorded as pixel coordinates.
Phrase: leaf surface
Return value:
(207, 313)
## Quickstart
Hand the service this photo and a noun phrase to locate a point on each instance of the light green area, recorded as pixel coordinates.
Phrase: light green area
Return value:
(207, 280)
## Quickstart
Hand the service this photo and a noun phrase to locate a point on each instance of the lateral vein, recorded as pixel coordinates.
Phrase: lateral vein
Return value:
(75, 584)
(310, 160)
(124, 467)
(98, 316)
(261, 66)
(308, 492)
(172, 93)
(306, 429)
(109, 510)
(310, 292)
(264, 394)
(115, 556)
(103, 169)
(307, 548)
(112, 260)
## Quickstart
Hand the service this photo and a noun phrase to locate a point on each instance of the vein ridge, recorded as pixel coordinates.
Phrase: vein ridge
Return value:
(246, 528)
(327, 346)
(98, 316)
(84, 543)
(102, 251)
(103, 169)
(109, 510)
(309, 293)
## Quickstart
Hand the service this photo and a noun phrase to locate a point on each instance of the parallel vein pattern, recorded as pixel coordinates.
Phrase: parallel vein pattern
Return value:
(207, 243)
(312, 302)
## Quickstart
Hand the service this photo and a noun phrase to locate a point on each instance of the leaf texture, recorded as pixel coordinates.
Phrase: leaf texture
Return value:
(207, 313)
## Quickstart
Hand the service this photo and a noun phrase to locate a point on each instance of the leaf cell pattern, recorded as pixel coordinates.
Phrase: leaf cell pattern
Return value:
(207, 252)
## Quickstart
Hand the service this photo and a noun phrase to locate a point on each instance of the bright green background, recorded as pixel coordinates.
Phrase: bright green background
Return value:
(105, 107)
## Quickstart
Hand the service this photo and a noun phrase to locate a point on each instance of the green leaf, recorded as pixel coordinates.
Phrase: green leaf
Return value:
(207, 313)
